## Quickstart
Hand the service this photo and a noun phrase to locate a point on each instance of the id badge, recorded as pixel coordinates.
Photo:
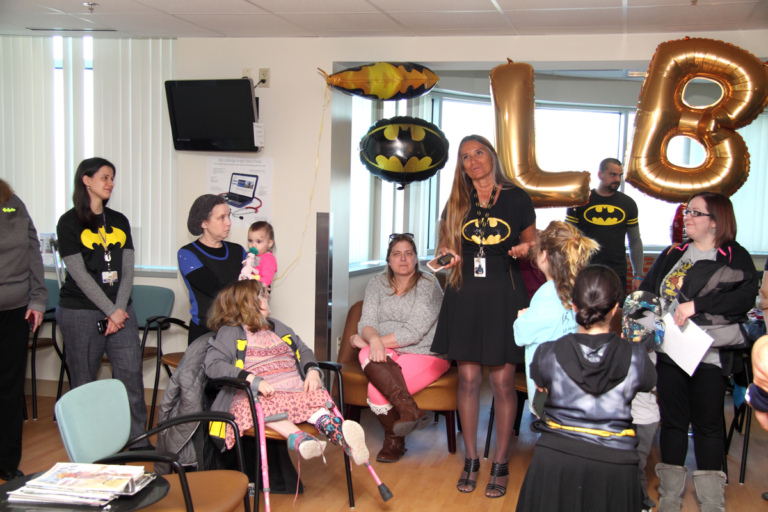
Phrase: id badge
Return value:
(109, 277)
(479, 267)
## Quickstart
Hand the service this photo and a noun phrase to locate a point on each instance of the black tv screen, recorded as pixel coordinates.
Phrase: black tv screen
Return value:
(212, 115)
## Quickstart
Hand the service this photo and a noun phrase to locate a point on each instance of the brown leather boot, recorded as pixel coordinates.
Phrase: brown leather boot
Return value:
(388, 379)
(394, 446)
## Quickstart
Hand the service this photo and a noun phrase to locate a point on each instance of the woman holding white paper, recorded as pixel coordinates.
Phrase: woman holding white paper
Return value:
(711, 281)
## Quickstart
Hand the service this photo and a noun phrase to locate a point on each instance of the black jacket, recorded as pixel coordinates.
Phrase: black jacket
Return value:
(722, 291)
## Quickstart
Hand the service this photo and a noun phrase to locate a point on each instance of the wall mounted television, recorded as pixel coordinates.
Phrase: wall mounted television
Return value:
(212, 115)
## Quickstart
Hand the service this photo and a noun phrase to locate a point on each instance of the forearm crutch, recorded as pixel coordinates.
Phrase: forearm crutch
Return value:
(262, 420)
(386, 494)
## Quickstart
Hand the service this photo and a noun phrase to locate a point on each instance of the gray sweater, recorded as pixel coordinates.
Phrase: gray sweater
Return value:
(411, 317)
(22, 281)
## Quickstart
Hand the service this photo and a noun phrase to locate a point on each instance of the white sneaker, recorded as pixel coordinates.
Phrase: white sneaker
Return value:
(309, 447)
(354, 441)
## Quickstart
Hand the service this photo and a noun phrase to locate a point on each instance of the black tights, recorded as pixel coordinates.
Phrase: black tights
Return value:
(505, 403)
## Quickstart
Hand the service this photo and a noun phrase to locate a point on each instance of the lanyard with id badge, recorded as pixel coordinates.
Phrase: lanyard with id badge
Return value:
(480, 268)
(110, 276)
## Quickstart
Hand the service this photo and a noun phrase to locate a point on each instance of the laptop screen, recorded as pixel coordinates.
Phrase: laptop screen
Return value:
(242, 186)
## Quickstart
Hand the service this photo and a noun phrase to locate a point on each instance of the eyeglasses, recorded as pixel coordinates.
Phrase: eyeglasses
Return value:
(395, 235)
(694, 213)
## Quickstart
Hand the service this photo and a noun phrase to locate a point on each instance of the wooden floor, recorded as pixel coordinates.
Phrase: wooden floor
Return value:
(425, 480)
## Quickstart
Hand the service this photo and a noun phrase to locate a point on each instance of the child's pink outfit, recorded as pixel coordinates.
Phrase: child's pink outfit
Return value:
(272, 359)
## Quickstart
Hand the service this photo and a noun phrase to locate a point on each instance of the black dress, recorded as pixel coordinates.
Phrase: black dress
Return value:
(475, 322)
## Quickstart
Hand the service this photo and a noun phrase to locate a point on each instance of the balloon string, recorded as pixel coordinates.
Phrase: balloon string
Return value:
(327, 101)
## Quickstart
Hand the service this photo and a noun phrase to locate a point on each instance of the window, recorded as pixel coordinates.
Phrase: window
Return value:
(568, 138)
(64, 99)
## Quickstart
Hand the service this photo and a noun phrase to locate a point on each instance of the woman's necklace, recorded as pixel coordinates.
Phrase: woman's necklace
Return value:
(483, 220)
(487, 203)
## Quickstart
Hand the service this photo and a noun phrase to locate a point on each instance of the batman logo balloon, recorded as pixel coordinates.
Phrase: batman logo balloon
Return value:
(604, 215)
(115, 237)
(404, 149)
(494, 232)
(384, 80)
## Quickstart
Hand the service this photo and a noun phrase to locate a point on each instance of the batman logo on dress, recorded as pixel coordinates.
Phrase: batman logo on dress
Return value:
(494, 232)
(604, 215)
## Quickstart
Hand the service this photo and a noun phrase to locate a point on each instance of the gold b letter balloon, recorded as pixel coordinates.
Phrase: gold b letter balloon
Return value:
(662, 114)
(512, 93)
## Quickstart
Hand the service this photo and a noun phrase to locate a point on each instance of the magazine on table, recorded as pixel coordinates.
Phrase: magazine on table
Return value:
(83, 484)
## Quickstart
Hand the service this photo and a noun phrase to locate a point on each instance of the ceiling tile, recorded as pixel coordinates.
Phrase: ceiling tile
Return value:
(434, 5)
(566, 18)
(559, 4)
(104, 7)
(52, 21)
(312, 6)
(343, 22)
(587, 30)
(152, 25)
(476, 21)
(203, 6)
(23, 6)
(247, 25)
(686, 3)
(690, 15)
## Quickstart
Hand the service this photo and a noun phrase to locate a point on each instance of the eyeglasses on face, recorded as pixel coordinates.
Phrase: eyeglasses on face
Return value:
(395, 235)
(694, 213)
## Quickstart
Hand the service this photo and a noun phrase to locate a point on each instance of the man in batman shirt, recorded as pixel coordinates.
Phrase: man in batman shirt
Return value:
(609, 217)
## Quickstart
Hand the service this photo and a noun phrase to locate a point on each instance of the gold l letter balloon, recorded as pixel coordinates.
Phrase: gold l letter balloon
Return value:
(663, 114)
(512, 93)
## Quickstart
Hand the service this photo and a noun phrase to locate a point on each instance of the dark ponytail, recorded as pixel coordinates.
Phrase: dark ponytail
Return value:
(596, 292)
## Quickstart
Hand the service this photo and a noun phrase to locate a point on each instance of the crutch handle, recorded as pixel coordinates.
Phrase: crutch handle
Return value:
(276, 417)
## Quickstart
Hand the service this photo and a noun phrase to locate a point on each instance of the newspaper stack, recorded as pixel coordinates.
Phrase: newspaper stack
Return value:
(82, 484)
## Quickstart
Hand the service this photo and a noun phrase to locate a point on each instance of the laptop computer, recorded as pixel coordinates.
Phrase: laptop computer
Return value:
(242, 189)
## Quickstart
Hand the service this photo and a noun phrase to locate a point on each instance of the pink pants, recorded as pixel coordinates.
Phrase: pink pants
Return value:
(419, 371)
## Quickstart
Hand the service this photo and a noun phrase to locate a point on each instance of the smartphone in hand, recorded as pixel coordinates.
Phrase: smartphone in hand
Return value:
(437, 264)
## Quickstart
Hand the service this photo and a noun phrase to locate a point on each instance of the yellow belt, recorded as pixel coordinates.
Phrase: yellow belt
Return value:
(596, 432)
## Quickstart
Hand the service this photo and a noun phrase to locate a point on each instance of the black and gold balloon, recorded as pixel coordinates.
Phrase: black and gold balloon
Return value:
(404, 149)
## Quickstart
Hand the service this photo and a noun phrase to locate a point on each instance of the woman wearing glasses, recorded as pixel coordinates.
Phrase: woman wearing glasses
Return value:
(711, 281)
(488, 223)
(395, 334)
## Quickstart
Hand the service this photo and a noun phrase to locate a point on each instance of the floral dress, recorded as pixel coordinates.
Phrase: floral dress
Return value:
(269, 357)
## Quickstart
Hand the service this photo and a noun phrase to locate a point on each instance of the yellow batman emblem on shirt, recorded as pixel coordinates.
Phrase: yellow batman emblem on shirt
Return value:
(604, 215)
(115, 237)
(494, 232)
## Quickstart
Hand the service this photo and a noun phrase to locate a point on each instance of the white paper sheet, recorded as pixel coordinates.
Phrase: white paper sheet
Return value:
(686, 347)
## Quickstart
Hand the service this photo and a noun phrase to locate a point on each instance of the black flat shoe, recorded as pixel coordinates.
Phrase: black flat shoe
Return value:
(497, 470)
(470, 466)
(10, 474)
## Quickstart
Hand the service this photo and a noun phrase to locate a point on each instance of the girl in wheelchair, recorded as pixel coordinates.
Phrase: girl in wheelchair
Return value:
(281, 369)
